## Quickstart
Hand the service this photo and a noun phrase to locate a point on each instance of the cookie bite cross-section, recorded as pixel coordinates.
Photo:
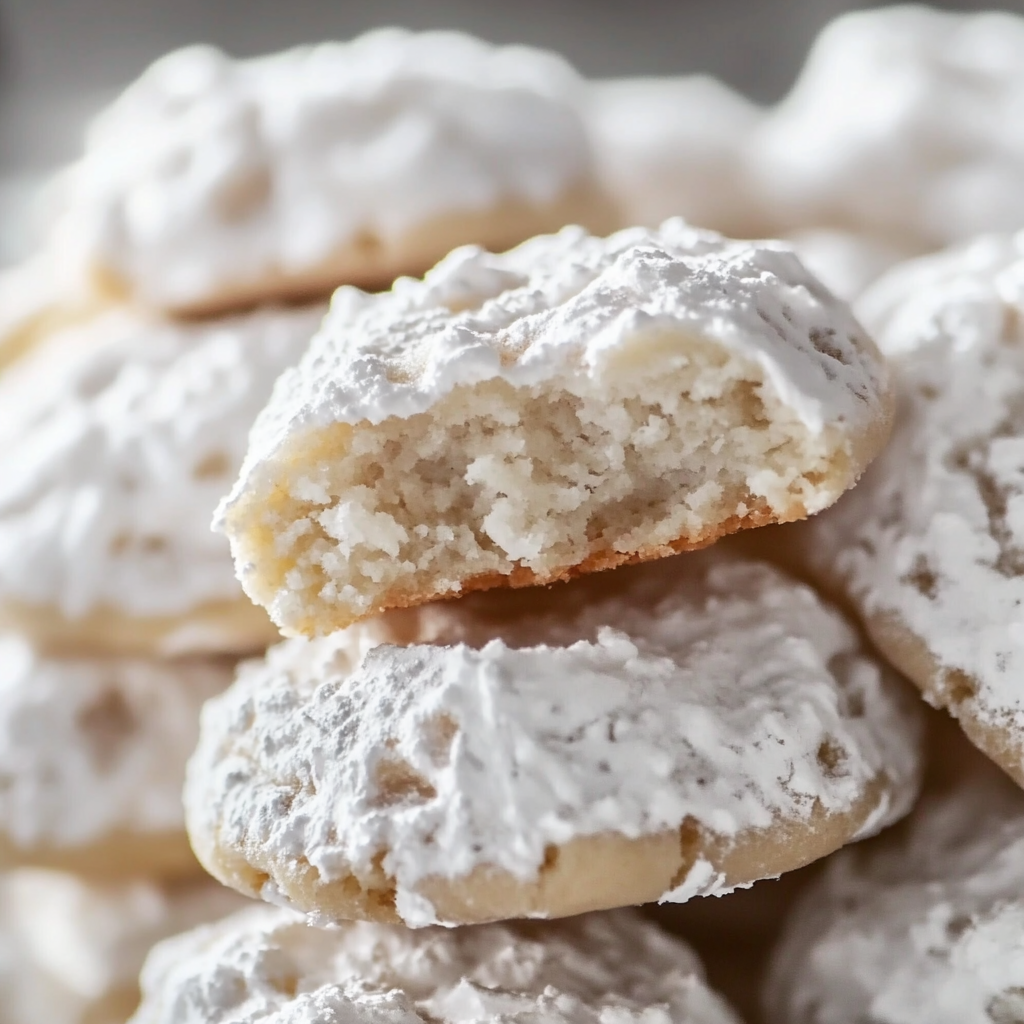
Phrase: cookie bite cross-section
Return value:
(575, 404)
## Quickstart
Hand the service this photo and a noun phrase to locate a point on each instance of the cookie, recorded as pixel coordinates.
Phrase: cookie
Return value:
(266, 964)
(573, 405)
(924, 930)
(213, 184)
(928, 548)
(92, 759)
(71, 950)
(657, 733)
(117, 439)
(676, 147)
(900, 126)
(34, 303)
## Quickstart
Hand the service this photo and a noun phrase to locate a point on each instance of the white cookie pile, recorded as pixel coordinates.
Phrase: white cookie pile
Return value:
(472, 497)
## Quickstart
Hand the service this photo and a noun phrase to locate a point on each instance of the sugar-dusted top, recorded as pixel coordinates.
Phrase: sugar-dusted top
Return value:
(702, 686)
(266, 964)
(926, 931)
(572, 305)
(934, 533)
(902, 123)
(117, 438)
(93, 747)
(210, 171)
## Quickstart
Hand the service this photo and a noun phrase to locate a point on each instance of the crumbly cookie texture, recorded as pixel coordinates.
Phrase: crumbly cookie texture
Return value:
(71, 950)
(212, 182)
(574, 404)
(117, 439)
(660, 732)
(930, 545)
(266, 965)
(676, 147)
(92, 759)
(898, 126)
(925, 930)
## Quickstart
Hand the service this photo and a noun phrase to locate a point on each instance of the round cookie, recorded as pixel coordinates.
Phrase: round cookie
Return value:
(926, 927)
(901, 125)
(657, 733)
(215, 184)
(928, 547)
(676, 147)
(266, 964)
(575, 404)
(117, 439)
(71, 950)
(92, 758)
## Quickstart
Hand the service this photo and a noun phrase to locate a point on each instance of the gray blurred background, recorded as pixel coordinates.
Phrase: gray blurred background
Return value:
(62, 59)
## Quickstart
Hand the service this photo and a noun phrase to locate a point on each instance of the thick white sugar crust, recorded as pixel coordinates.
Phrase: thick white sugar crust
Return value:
(93, 938)
(117, 439)
(266, 965)
(675, 147)
(926, 931)
(900, 125)
(698, 687)
(93, 747)
(210, 171)
(934, 533)
(565, 306)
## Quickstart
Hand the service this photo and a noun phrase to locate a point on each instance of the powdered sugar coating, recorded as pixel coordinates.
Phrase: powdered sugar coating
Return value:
(211, 173)
(926, 931)
(676, 147)
(267, 965)
(700, 687)
(933, 536)
(901, 125)
(117, 438)
(91, 748)
(93, 938)
(564, 305)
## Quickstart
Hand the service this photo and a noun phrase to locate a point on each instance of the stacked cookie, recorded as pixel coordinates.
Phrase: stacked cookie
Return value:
(145, 337)
(649, 732)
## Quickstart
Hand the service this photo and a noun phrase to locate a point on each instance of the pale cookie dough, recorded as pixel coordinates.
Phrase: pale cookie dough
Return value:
(930, 546)
(267, 965)
(92, 759)
(656, 733)
(117, 439)
(75, 948)
(573, 405)
(926, 927)
(902, 124)
(214, 183)
(676, 147)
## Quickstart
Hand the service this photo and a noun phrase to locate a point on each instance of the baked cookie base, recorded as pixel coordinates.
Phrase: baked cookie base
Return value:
(596, 872)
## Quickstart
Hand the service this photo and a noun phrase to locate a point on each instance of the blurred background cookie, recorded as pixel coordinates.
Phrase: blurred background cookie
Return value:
(92, 760)
(117, 439)
(212, 184)
(71, 950)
